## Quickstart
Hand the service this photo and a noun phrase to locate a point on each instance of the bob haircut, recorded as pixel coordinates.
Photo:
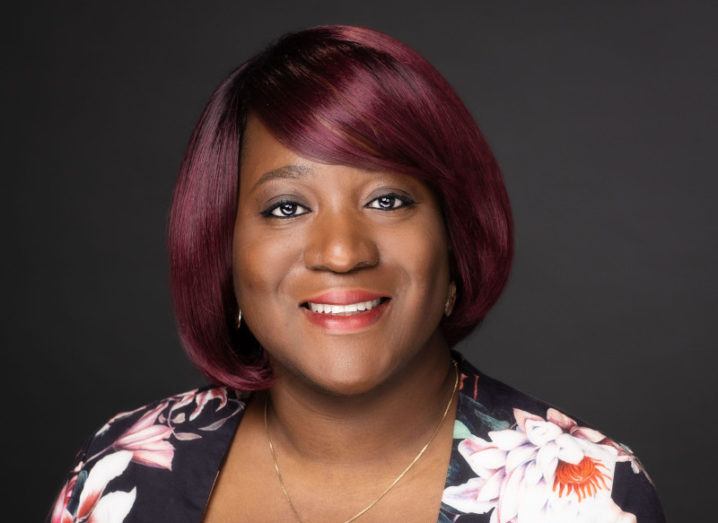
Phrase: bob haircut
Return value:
(336, 94)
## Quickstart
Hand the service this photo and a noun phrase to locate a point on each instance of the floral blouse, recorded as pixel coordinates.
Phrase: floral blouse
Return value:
(514, 459)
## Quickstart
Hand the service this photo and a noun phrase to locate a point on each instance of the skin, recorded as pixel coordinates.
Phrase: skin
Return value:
(349, 411)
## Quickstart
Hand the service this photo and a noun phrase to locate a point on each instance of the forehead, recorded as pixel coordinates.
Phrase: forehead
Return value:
(264, 158)
(260, 149)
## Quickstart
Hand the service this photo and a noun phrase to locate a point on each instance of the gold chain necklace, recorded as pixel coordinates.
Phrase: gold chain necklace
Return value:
(403, 473)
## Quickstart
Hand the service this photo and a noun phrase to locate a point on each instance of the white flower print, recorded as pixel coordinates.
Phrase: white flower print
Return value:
(542, 471)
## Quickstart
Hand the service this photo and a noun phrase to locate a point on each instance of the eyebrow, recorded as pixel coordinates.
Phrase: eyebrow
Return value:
(286, 171)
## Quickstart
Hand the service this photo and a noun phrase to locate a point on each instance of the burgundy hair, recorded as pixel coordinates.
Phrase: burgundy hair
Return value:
(341, 95)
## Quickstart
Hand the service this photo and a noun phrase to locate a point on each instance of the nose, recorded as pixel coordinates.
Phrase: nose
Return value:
(340, 242)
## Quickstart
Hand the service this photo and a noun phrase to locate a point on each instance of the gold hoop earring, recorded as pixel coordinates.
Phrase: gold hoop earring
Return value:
(239, 319)
(449, 306)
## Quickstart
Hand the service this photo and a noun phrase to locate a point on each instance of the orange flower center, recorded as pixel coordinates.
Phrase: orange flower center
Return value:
(583, 478)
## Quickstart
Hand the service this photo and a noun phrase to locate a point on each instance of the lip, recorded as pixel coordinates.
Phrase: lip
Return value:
(344, 296)
(338, 324)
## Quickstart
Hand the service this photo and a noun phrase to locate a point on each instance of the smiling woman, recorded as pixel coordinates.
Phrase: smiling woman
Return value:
(338, 237)
(339, 224)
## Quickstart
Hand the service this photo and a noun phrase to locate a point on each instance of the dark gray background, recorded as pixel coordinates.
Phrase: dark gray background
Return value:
(602, 116)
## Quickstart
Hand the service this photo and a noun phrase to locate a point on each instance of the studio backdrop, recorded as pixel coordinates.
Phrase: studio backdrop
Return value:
(602, 117)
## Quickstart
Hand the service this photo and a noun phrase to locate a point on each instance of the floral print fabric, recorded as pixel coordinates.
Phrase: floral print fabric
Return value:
(155, 463)
(543, 470)
(515, 459)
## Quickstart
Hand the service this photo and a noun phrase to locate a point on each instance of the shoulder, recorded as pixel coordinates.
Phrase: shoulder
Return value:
(188, 409)
(185, 432)
(523, 458)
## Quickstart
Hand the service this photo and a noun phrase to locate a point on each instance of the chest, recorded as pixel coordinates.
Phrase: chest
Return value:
(335, 505)
(247, 488)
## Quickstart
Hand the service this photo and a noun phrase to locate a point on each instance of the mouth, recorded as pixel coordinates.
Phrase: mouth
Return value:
(351, 309)
(345, 319)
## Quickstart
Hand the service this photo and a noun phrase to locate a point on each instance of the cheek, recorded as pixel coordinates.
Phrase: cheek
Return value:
(421, 261)
(422, 254)
(260, 263)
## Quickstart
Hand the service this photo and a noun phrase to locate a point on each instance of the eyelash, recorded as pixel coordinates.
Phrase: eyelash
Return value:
(407, 202)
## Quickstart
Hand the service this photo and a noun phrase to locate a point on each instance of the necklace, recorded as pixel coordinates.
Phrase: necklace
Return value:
(403, 473)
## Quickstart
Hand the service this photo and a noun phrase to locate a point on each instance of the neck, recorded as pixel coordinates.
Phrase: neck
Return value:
(401, 413)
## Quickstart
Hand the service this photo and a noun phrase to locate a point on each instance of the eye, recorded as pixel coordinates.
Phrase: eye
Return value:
(286, 209)
(387, 201)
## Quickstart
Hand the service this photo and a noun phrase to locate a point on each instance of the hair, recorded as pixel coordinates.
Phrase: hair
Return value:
(340, 95)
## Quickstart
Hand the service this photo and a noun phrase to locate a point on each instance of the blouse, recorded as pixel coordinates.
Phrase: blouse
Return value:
(514, 459)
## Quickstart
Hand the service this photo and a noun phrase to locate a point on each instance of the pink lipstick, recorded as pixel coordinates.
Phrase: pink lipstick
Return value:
(345, 310)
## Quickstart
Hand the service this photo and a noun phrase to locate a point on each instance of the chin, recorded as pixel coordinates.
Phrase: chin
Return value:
(342, 380)
(340, 370)
(347, 388)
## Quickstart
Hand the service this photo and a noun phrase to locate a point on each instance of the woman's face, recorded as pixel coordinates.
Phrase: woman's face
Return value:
(338, 229)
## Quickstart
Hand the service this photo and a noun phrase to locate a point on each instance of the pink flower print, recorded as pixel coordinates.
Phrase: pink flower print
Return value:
(60, 514)
(181, 400)
(474, 384)
(206, 396)
(63, 498)
(148, 441)
(116, 417)
(93, 506)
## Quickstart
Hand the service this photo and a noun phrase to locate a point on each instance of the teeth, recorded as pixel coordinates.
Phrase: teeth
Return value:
(352, 308)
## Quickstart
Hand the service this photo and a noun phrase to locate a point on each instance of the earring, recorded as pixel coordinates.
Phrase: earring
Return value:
(449, 306)
(239, 318)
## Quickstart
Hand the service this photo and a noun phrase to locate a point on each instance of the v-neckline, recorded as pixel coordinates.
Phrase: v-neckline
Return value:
(465, 372)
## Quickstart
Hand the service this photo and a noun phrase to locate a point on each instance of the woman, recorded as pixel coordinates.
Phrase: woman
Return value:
(338, 225)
